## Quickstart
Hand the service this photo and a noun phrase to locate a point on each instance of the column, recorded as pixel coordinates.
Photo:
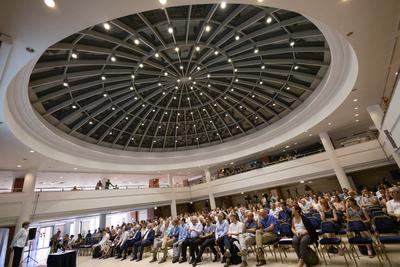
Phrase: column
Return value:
(344, 181)
(67, 228)
(102, 221)
(210, 193)
(173, 208)
(376, 114)
(28, 202)
(77, 226)
(170, 180)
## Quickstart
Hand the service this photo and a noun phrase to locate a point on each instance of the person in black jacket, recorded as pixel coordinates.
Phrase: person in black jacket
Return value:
(304, 234)
(146, 241)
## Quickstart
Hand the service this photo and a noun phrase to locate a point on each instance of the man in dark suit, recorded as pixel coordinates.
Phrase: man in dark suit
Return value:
(147, 240)
(135, 237)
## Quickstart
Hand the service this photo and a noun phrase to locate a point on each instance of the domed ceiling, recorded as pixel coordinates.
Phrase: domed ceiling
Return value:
(179, 78)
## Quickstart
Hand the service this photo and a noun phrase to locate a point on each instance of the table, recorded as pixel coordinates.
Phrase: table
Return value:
(64, 259)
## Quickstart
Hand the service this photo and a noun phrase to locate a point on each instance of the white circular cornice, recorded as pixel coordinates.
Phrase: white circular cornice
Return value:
(46, 139)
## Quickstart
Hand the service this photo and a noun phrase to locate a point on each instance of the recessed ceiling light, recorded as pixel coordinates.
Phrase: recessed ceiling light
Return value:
(197, 48)
(176, 49)
(310, 134)
(223, 5)
(232, 89)
(106, 26)
(261, 82)
(133, 76)
(126, 118)
(74, 55)
(103, 77)
(176, 87)
(396, 73)
(229, 60)
(208, 75)
(355, 100)
(136, 98)
(198, 68)
(357, 120)
(90, 122)
(113, 108)
(236, 70)
(263, 67)
(141, 65)
(170, 29)
(131, 88)
(194, 82)
(291, 43)
(50, 3)
(288, 88)
(163, 93)
(32, 151)
(179, 80)
(105, 95)
(143, 105)
(75, 168)
(208, 28)
(157, 55)
(273, 104)
(159, 84)
(216, 52)
(113, 59)
(356, 108)
(237, 37)
(136, 41)
(256, 50)
(269, 20)
(162, 2)
(356, 115)
(65, 84)
(190, 78)
(19, 166)
(74, 106)
(165, 73)
(296, 67)
(236, 80)
(253, 96)
(329, 123)
(302, 182)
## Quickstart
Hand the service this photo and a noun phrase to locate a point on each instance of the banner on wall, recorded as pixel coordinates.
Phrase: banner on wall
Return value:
(4, 232)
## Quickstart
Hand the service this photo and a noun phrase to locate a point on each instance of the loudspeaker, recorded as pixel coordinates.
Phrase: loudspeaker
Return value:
(32, 233)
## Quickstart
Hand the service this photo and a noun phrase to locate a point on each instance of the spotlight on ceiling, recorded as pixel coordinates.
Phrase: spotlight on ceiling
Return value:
(141, 65)
(263, 67)
(133, 76)
(113, 58)
(74, 55)
(223, 5)
(176, 49)
(197, 48)
(162, 2)
(50, 3)
(256, 50)
(216, 52)
(208, 75)
(170, 29)
(165, 73)
(296, 67)
(181, 67)
(65, 84)
(268, 19)
(198, 68)
(229, 60)
(157, 55)
(103, 77)
(291, 43)
(208, 28)
(106, 26)
(237, 37)
(136, 41)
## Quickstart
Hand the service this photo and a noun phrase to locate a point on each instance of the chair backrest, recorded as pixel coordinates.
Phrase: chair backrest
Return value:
(385, 225)
(315, 222)
(328, 228)
(356, 226)
(317, 215)
(308, 214)
(286, 230)
(377, 213)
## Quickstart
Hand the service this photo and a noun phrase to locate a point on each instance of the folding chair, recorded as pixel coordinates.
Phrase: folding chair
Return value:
(328, 227)
(355, 239)
(286, 238)
(387, 233)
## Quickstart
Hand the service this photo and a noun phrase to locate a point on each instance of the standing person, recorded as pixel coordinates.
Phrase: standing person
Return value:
(19, 242)
(108, 184)
(99, 185)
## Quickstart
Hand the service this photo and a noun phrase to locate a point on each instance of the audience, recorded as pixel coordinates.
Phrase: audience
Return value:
(236, 230)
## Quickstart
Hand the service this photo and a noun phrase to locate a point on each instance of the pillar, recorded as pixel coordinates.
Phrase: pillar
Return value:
(344, 181)
(170, 180)
(173, 208)
(210, 192)
(77, 227)
(29, 199)
(67, 228)
(376, 113)
(102, 221)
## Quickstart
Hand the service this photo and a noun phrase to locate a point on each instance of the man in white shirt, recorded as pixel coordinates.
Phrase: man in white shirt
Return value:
(18, 243)
(234, 230)
(195, 229)
(393, 205)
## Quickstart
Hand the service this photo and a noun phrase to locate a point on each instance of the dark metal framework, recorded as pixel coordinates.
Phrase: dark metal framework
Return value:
(180, 77)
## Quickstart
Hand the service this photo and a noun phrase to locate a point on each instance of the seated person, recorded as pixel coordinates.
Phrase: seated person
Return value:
(207, 239)
(160, 232)
(393, 205)
(247, 238)
(177, 246)
(221, 229)
(304, 234)
(232, 236)
(169, 239)
(134, 237)
(195, 229)
(285, 215)
(266, 233)
(147, 240)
